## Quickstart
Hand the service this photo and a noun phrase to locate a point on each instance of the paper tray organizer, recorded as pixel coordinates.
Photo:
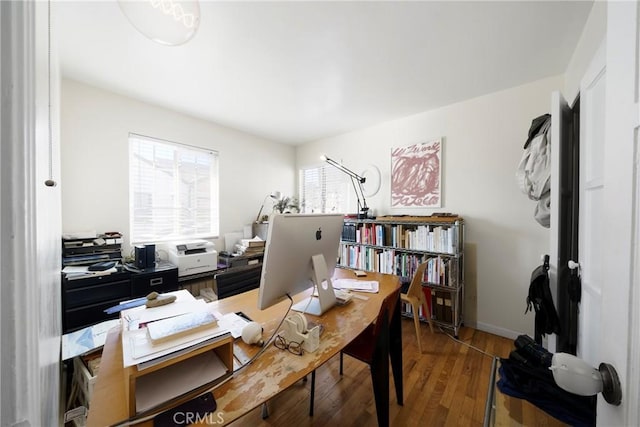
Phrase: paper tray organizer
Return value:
(177, 380)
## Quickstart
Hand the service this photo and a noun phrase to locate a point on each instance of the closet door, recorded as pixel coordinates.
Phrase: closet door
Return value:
(619, 341)
(592, 227)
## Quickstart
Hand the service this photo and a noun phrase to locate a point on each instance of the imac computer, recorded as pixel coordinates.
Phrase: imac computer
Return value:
(301, 251)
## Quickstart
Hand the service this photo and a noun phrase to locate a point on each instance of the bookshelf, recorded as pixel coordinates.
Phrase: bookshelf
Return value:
(398, 244)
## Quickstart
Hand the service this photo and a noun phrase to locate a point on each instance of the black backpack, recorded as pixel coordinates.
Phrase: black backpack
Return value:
(541, 301)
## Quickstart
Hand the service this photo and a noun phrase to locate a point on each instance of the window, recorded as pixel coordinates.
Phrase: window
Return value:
(173, 190)
(323, 189)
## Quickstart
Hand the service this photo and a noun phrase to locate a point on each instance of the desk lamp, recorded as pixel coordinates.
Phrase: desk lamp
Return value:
(275, 196)
(356, 181)
(578, 377)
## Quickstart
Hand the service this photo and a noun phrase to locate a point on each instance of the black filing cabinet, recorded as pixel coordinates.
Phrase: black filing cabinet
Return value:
(84, 300)
(162, 278)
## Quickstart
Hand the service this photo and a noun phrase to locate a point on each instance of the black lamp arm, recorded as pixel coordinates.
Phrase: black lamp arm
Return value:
(349, 172)
(356, 181)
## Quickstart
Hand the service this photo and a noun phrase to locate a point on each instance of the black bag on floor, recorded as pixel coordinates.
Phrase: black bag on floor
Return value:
(526, 375)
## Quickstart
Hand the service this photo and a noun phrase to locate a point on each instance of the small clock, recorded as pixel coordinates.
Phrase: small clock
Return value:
(372, 183)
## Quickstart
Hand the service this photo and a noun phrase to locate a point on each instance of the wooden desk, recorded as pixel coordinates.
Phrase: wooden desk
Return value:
(272, 372)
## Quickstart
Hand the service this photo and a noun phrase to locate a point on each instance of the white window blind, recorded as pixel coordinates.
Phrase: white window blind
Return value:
(323, 189)
(173, 191)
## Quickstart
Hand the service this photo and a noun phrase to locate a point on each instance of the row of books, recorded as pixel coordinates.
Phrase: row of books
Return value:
(388, 261)
(422, 237)
(441, 271)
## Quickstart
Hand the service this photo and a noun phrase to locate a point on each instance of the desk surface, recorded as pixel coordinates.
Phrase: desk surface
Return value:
(272, 372)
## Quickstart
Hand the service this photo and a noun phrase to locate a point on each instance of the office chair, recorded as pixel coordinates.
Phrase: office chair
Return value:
(372, 347)
(415, 297)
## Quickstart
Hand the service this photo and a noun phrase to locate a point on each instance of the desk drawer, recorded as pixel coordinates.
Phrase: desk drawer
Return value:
(119, 291)
(87, 315)
(162, 281)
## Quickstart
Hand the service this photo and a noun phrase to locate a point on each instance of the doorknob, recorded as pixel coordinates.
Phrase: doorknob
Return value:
(573, 265)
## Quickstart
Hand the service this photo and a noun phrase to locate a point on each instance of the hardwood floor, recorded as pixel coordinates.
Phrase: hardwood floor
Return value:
(446, 385)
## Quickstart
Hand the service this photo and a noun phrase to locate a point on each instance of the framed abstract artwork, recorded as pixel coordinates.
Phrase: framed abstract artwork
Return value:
(416, 175)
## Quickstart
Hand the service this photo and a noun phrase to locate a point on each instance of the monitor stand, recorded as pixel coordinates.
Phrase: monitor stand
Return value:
(322, 284)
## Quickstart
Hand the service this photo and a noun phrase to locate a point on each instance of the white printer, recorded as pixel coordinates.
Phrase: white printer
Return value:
(192, 257)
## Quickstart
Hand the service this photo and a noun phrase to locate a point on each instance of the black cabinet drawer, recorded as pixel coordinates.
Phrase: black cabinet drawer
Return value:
(119, 291)
(87, 315)
(160, 281)
(92, 281)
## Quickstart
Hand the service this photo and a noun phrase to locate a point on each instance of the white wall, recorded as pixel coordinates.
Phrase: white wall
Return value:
(94, 128)
(594, 32)
(483, 143)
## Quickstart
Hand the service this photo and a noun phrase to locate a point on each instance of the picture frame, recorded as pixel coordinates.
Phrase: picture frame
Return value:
(416, 175)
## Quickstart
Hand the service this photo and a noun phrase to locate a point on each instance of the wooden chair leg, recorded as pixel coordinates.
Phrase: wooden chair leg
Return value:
(416, 322)
(313, 392)
(341, 357)
(427, 310)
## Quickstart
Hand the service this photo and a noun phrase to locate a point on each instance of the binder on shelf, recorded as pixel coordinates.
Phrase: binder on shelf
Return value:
(427, 296)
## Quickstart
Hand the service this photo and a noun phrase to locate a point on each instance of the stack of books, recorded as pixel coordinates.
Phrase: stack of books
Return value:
(250, 247)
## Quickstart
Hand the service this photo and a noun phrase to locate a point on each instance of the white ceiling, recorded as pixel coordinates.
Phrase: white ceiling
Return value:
(299, 71)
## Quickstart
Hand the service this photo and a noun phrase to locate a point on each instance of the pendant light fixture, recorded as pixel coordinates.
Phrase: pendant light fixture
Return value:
(168, 22)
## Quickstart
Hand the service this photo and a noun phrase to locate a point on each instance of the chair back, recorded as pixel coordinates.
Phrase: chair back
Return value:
(415, 287)
(388, 306)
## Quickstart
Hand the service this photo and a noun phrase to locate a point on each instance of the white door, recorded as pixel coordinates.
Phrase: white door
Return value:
(609, 211)
(591, 229)
(619, 338)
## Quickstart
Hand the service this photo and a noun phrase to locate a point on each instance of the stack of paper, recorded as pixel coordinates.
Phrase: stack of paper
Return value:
(80, 272)
(371, 286)
(138, 347)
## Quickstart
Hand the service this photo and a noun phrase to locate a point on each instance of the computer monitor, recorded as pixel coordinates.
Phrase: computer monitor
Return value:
(301, 250)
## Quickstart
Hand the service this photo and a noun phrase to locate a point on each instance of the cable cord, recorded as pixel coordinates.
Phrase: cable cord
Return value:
(270, 340)
(467, 344)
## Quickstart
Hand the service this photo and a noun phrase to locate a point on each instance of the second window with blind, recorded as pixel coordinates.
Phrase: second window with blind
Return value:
(323, 189)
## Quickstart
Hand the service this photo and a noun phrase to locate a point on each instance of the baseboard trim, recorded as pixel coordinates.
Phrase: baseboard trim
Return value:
(495, 330)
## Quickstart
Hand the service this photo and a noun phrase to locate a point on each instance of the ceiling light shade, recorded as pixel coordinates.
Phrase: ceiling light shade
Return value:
(168, 22)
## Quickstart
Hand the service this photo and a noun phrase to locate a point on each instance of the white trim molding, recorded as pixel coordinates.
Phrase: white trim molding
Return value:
(29, 355)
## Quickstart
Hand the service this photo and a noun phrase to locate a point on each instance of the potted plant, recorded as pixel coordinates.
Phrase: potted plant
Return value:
(286, 205)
